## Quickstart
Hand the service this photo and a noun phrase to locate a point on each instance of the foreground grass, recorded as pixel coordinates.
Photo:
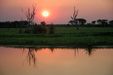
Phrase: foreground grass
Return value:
(64, 36)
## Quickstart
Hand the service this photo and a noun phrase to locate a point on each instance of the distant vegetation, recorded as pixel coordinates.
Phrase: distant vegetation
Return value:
(62, 36)
(15, 24)
(23, 24)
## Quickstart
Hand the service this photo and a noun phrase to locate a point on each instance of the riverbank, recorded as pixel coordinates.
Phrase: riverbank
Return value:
(63, 36)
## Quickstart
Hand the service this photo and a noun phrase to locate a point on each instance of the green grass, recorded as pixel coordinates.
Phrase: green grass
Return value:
(64, 36)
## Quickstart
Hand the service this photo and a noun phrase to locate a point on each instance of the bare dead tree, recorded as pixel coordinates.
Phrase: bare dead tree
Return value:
(75, 14)
(74, 17)
(31, 56)
(74, 20)
(30, 15)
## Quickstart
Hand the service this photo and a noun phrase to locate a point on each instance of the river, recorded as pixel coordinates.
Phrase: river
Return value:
(56, 61)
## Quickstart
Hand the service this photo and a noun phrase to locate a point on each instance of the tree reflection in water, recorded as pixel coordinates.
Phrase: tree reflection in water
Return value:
(89, 50)
(31, 53)
(31, 56)
(76, 51)
(52, 49)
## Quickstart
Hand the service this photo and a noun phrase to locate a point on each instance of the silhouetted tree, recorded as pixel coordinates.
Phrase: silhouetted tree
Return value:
(43, 23)
(99, 21)
(102, 21)
(41, 28)
(81, 21)
(38, 29)
(73, 20)
(30, 15)
(93, 22)
(111, 22)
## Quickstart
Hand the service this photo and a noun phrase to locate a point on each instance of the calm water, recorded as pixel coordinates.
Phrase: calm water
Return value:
(56, 61)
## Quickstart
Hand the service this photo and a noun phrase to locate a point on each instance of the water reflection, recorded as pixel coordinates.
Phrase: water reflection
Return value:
(76, 51)
(31, 55)
(56, 61)
(89, 50)
(32, 52)
(52, 49)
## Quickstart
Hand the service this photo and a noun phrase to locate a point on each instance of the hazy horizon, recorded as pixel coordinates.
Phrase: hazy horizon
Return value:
(60, 12)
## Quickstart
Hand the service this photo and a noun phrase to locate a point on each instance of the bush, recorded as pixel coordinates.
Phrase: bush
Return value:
(51, 29)
(27, 30)
(37, 29)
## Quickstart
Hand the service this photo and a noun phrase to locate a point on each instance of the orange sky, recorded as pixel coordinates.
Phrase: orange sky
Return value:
(60, 11)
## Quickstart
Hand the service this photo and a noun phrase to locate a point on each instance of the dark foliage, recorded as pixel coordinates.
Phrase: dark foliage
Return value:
(93, 22)
(102, 21)
(43, 23)
(111, 22)
(15, 24)
(51, 29)
(37, 29)
(81, 21)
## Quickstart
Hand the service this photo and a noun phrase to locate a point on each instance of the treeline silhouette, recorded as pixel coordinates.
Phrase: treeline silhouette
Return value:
(99, 22)
(32, 51)
(80, 22)
(14, 24)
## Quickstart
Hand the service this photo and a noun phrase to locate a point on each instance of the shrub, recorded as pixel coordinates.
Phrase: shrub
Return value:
(39, 29)
(51, 29)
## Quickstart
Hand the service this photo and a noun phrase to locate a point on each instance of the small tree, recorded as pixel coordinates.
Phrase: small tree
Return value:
(81, 21)
(93, 22)
(111, 22)
(102, 21)
(99, 21)
(43, 23)
(42, 28)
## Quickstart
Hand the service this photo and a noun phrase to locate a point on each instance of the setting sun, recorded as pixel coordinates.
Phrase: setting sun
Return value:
(45, 13)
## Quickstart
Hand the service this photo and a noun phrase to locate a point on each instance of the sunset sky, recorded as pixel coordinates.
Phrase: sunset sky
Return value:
(59, 10)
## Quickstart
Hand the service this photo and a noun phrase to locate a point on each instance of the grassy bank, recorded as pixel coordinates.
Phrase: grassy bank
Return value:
(63, 36)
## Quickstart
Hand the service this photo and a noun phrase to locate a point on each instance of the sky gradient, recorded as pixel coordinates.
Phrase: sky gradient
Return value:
(60, 11)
